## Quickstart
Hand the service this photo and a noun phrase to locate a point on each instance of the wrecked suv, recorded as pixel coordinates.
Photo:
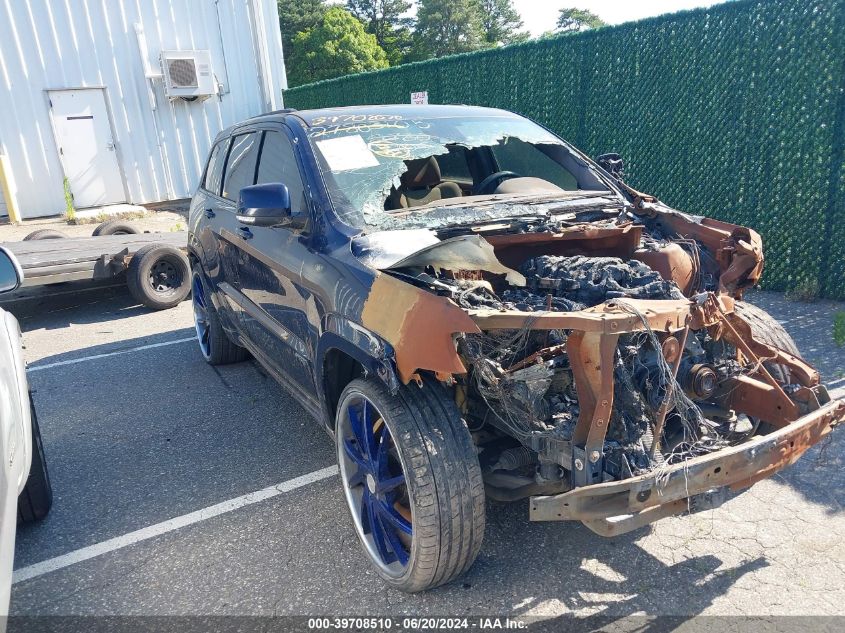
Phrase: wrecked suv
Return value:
(473, 308)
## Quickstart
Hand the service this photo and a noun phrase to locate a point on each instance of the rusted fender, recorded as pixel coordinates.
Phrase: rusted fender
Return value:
(419, 325)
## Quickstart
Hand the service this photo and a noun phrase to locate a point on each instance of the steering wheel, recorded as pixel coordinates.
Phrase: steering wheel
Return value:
(484, 187)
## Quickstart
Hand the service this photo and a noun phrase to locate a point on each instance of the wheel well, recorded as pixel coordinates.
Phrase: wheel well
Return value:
(339, 369)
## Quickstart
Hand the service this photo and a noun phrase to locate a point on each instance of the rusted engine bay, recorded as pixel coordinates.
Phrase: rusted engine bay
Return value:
(622, 355)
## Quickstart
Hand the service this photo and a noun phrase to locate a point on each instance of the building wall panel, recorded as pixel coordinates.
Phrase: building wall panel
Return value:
(161, 144)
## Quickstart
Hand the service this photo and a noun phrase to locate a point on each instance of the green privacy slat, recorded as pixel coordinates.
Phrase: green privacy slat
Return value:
(735, 112)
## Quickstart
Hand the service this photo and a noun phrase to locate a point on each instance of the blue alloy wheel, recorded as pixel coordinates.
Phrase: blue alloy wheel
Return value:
(201, 315)
(374, 483)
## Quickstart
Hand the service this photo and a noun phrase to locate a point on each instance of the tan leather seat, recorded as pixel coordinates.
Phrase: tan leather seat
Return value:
(420, 185)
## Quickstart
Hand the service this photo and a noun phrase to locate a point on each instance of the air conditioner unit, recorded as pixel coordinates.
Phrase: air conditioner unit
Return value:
(187, 74)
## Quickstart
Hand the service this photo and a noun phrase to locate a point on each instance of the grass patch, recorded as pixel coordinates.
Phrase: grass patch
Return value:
(839, 328)
(70, 210)
(806, 290)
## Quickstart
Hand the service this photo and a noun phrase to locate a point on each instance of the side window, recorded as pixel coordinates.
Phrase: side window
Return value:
(214, 170)
(453, 166)
(240, 166)
(527, 160)
(278, 164)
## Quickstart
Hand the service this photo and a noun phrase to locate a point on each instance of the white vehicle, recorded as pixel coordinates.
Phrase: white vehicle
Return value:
(25, 493)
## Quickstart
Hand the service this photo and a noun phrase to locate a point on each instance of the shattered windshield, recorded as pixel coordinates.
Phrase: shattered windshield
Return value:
(390, 171)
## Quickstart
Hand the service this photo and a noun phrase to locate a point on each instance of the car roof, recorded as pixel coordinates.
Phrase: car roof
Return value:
(402, 110)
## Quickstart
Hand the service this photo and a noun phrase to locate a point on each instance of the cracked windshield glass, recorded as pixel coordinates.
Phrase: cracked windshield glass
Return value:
(389, 171)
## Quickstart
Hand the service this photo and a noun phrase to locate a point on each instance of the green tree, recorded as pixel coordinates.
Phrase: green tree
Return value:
(337, 46)
(574, 20)
(387, 21)
(296, 16)
(501, 22)
(446, 27)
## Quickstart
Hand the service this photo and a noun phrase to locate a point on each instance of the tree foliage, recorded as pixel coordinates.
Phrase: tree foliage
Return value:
(386, 20)
(337, 45)
(296, 16)
(572, 20)
(447, 27)
(501, 22)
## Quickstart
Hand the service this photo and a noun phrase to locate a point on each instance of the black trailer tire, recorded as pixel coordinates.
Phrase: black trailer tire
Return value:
(115, 227)
(37, 496)
(443, 488)
(215, 345)
(159, 276)
(766, 329)
(45, 234)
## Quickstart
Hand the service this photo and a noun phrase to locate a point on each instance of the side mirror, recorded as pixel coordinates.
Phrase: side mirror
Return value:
(613, 164)
(11, 274)
(264, 205)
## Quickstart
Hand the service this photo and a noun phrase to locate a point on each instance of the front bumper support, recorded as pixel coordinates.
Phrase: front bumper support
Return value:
(700, 483)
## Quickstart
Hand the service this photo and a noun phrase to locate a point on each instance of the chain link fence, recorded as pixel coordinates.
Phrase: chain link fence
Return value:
(736, 112)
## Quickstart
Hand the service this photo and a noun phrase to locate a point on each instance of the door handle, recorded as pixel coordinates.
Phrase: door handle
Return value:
(209, 213)
(245, 233)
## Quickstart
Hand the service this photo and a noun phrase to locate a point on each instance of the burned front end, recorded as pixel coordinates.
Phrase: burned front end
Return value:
(595, 340)
(606, 364)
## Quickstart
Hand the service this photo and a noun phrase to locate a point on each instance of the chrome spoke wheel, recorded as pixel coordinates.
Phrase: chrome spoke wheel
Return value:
(201, 315)
(375, 485)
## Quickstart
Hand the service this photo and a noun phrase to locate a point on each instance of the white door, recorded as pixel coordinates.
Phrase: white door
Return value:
(86, 146)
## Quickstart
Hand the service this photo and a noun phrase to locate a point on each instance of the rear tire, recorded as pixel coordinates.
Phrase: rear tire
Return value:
(45, 234)
(37, 496)
(215, 345)
(115, 227)
(159, 276)
(422, 442)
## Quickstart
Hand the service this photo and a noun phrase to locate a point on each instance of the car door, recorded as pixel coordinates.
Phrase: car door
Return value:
(270, 262)
(211, 214)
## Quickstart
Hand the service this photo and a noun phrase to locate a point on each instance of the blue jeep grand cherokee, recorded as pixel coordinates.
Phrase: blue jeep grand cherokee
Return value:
(472, 307)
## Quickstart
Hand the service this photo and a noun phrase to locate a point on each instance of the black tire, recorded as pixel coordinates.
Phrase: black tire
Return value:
(37, 496)
(159, 276)
(45, 234)
(766, 329)
(115, 227)
(445, 491)
(219, 350)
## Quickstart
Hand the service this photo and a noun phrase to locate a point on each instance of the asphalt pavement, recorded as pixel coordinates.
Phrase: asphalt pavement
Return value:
(145, 441)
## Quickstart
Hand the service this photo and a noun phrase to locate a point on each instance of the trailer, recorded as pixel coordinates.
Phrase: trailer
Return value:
(154, 265)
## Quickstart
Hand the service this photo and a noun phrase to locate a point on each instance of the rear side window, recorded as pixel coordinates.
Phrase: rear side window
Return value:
(214, 170)
(527, 160)
(453, 166)
(278, 164)
(240, 167)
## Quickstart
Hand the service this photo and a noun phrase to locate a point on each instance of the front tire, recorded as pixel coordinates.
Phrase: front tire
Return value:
(412, 482)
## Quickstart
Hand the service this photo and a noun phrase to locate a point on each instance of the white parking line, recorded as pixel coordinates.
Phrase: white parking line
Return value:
(117, 353)
(119, 542)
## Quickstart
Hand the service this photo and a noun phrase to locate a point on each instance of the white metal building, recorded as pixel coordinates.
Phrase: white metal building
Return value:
(123, 97)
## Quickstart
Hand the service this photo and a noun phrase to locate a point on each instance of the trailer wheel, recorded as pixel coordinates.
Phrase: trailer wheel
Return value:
(115, 227)
(37, 496)
(45, 234)
(159, 276)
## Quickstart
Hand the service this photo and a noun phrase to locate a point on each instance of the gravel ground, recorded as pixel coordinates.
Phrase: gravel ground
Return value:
(169, 218)
(140, 437)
